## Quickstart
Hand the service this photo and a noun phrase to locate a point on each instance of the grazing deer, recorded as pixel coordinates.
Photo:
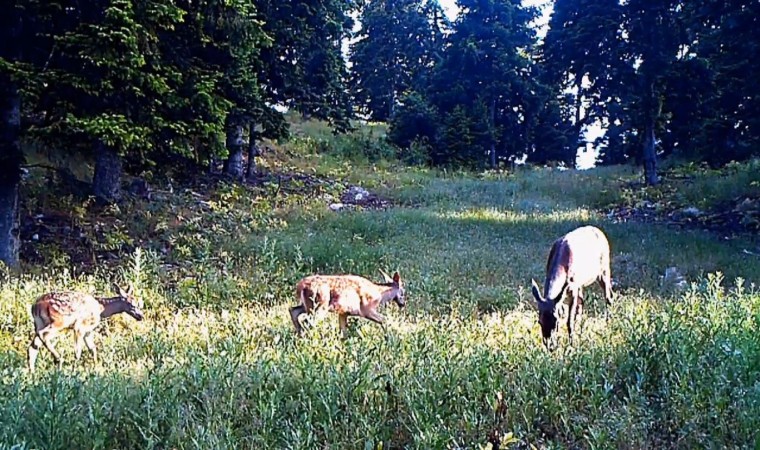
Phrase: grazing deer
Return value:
(346, 295)
(58, 311)
(576, 260)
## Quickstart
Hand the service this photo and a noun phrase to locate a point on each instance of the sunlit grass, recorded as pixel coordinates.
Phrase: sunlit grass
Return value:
(216, 363)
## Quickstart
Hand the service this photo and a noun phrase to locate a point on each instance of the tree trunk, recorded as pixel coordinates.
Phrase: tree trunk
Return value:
(106, 182)
(11, 155)
(234, 164)
(10, 170)
(9, 239)
(253, 152)
(493, 133)
(650, 155)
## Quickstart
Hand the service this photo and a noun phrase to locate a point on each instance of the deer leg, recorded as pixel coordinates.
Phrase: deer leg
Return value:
(89, 340)
(605, 281)
(571, 316)
(375, 317)
(33, 351)
(343, 321)
(46, 335)
(78, 344)
(295, 312)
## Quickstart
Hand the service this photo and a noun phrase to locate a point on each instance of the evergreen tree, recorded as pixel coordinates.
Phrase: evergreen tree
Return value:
(27, 30)
(582, 59)
(725, 36)
(397, 47)
(11, 157)
(107, 88)
(302, 68)
(485, 73)
(653, 36)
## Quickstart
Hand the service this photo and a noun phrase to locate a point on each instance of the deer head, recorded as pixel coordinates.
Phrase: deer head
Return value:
(395, 282)
(131, 304)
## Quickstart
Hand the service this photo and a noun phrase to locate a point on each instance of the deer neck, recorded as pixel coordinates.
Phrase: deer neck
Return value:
(111, 306)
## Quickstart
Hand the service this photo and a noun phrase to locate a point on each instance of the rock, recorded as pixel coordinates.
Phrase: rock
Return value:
(692, 211)
(357, 194)
(336, 206)
(35, 237)
(673, 279)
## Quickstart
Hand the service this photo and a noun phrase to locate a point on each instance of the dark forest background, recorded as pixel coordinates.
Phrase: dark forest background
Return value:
(154, 84)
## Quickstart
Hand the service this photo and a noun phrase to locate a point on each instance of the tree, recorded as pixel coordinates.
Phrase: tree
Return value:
(11, 157)
(654, 35)
(723, 37)
(303, 69)
(396, 49)
(106, 86)
(485, 73)
(582, 59)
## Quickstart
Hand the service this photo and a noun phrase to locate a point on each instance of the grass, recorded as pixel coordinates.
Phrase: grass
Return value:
(216, 363)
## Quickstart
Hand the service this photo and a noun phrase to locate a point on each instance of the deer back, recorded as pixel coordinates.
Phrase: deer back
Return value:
(349, 293)
(63, 309)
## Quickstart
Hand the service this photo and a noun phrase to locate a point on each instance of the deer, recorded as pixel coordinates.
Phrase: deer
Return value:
(57, 311)
(576, 260)
(346, 295)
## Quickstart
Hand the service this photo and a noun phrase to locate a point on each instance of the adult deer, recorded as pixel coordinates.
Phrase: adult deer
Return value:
(346, 295)
(576, 260)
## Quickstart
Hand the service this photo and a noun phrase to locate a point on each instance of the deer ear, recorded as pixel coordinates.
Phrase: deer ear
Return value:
(396, 277)
(536, 291)
(385, 276)
(118, 290)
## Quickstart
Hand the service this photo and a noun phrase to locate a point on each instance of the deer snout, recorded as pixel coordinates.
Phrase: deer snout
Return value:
(137, 314)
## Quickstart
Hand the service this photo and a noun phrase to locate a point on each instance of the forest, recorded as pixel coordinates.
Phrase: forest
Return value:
(145, 85)
(209, 154)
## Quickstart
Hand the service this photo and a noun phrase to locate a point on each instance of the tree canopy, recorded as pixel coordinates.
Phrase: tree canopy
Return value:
(142, 85)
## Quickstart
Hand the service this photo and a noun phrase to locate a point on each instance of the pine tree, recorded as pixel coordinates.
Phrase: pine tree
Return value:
(725, 36)
(396, 49)
(107, 86)
(485, 70)
(654, 35)
(11, 157)
(582, 58)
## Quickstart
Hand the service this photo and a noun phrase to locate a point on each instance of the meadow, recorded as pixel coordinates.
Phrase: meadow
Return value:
(216, 363)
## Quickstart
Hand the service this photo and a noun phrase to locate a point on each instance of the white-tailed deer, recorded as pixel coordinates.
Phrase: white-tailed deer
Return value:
(346, 295)
(576, 260)
(58, 311)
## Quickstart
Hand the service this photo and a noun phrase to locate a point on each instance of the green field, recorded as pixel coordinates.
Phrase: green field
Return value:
(216, 364)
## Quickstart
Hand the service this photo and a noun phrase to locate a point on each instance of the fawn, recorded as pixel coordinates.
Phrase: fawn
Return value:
(57, 311)
(346, 295)
(576, 260)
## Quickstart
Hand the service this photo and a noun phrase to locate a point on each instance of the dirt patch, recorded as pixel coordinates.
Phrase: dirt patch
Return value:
(739, 216)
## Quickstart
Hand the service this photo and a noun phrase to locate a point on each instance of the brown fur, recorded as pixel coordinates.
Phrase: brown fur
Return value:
(576, 260)
(58, 311)
(345, 295)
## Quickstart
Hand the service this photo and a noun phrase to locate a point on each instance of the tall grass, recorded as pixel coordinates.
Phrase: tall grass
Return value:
(216, 363)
